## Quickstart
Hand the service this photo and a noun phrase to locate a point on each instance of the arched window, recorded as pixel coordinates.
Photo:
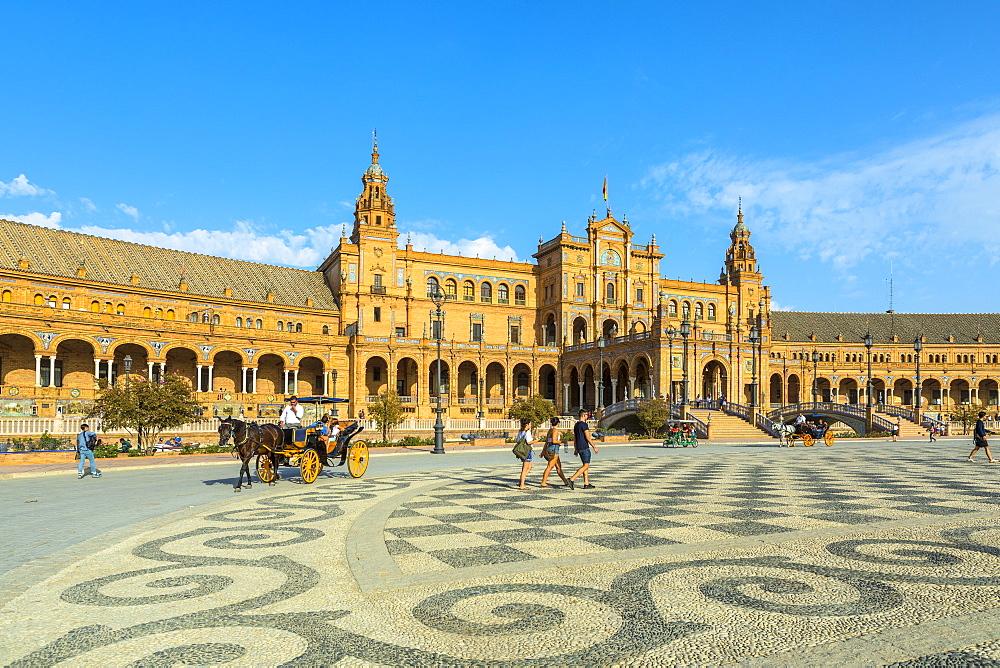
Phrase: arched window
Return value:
(503, 293)
(108, 308)
(686, 309)
(298, 327)
(609, 290)
(672, 308)
(66, 303)
(432, 285)
(95, 307)
(699, 310)
(51, 301)
(147, 312)
(259, 324)
(468, 291)
(711, 311)
(239, 322)
(7, 296)
(326, 329)
(281, 326)
(519, 295)
(486, 292)
(159, 313)
(170, 314)
(120, 309)
(451, 288)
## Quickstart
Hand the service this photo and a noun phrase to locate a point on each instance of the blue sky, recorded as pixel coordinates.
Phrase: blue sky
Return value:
(860, 135)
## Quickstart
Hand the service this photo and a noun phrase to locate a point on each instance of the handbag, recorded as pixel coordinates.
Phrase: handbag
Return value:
(522, 448)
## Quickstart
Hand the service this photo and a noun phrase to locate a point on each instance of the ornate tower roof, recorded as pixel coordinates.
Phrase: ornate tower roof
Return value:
(374, 212)
(740, 258)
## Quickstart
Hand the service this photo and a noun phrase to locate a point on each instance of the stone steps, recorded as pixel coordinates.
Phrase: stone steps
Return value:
(728, 427)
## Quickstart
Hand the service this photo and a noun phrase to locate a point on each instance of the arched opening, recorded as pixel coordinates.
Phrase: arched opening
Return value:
(432, 381)
(642, 387)
(406, 380)
(495, 385)
(310, 376)
(794, 394)
(227, 372)
(270, 374)
(988, 395)
(575, 390)
(432, 285)
(17, 361)
(522, 381)
(821, 390)
(519, 295)
(878, 391)
(638, 327)
(182, 362)
(902, 392)
(486, 292)
(589, 389)
(774, 390)
(74, 364)
(376, 377)
(714, 381)
(609, 329)
(138, 361)
(549, 334)
(849, 391)
(468, 383)
(547, 382)
(959, 393)
(620, 388)
(579, 330)
(931, 391)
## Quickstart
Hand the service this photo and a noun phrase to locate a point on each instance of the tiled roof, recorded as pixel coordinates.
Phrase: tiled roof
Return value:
(934, 327)
(60, 253)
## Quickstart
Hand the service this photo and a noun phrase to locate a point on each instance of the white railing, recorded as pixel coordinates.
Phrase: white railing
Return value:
(70, 426)
(416, 425)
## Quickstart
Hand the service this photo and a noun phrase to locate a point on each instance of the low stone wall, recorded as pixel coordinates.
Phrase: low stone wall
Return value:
(487, 441)
(614, 438)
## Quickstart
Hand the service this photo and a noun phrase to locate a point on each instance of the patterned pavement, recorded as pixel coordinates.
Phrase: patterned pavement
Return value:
(721, 555)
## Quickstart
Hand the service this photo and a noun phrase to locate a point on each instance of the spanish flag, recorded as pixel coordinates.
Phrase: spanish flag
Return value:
(605, 189)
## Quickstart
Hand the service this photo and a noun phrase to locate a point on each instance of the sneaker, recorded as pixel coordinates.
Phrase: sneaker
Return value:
(588, 487)
(79, 475)
(97, 475)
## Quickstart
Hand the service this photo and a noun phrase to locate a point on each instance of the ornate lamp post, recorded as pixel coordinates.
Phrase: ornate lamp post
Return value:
(671, 335)
(815, 358)
(685, 333)
(334, 412)
(128, 368)
(438, 297)
(918, 345)
(868, 387)
(754, 339)
(480, 414)
(601, 342)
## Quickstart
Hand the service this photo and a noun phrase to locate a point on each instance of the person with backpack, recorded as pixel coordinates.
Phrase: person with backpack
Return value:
(86, 441)
(979, 439)
(523, 442)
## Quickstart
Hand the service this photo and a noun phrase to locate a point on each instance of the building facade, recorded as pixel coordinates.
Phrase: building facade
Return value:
(589, 323)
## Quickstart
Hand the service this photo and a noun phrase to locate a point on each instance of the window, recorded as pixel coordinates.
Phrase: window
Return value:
(378, 220)
(147, 312)
(7, 296)
(216, 319)
(609, 291)
(377, 317)
(298, 327)
(699, 310)
(39, 300)
(468, 291)
(170, 314)
(120, 309)
(486, 292)
(259, 324)
(376, 373)
(326, 329)
(51, 301)
(519, 295)
(159, 313)
(378, 280)
(580, 290)
(95, 307)
(239, 322)
(477, 331)
(400, 331)
(686, 309)
(281, 326)
(515, 333)
(638, 295)
(432, 285)
(711, 311)
(451, 288)
(672, 308)
(503, 294)
(66, 304)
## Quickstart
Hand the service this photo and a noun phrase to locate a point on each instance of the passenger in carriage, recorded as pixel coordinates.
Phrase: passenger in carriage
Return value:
(322, 430)
(348, 432)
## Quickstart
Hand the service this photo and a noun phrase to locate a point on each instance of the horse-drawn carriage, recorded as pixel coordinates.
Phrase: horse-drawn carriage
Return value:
(308, 449)
(680, 434)
(809, 433)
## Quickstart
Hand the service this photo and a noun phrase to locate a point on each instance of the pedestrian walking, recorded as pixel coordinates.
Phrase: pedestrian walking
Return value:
(930, 433)
(524, 436)
(551, 453)
(895, 430)
(978, 439)
(582, 445)
(86, 441)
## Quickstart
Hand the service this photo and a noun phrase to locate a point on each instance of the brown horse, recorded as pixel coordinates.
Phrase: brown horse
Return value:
(249, 439)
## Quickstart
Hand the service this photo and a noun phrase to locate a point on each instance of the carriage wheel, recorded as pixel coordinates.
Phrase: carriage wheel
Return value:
(357, 459)
(828, 438)
(310, 465)
(808, 440)
(265, 468)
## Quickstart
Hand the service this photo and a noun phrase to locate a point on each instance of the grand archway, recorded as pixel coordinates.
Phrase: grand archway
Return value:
(714, 381)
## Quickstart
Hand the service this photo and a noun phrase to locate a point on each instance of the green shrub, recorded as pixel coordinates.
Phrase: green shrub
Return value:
(414, 441)
(135, 452)
(106, 451)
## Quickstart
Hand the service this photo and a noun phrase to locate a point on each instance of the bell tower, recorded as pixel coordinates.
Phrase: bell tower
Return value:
(741, 261)
(374, 213)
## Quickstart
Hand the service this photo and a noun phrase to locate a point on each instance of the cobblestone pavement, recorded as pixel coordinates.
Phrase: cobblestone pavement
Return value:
(749, 555)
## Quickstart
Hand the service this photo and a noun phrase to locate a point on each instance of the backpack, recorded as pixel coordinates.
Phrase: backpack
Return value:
(91, 441)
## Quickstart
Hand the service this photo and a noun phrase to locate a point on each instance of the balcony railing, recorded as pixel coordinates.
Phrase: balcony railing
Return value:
(503, 300)
(469, 298)
(378, 289)
(519, 302)
(487, 300)
(610, 300)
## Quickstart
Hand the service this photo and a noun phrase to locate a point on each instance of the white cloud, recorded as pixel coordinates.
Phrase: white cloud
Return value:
(88, 205)
(128, 210)
(484, 247)
(20, 187)
(775, 306)
(52, 220)
(909, 201)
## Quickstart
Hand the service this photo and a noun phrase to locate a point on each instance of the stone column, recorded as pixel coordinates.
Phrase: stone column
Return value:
(198, 373)
(631, 387)
(581, 384)
(38, 370)
(326, 383)
(614, 390)
(52, 370)
(597, 392)
(253, 379)
(149, 371)
(97, 370)
(163, 370)
(295, 381)
(652, 388)
(211, 371)
(566, 398)
(284, 388)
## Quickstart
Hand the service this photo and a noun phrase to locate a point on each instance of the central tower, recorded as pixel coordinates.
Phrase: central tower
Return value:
(374, 213)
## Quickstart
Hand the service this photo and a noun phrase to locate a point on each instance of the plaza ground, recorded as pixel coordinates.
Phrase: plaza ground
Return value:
(865, 553)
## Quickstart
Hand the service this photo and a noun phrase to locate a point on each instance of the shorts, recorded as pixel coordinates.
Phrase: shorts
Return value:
(584, 455)
(528, 458)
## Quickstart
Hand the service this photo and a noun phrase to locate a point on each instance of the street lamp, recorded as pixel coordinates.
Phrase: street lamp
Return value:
(335, 411)
(438, 297)
(685, 333)
(918, 345)
(601, 342)
(480, 414)
(815, 358)
(128, 368)
(754, 339)
(671, 334)
(868, 387)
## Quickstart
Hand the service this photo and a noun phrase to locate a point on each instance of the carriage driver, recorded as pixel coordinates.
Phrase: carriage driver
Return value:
(800, 423)
(291, 418)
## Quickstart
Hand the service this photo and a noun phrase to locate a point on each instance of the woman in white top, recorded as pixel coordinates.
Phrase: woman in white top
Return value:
(525, 433)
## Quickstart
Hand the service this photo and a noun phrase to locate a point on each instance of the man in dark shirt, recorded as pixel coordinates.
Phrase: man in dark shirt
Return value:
(979, 439)
(582, 445)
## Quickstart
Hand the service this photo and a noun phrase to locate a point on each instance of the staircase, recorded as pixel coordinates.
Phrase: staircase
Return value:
(907, 429)
(727, 427)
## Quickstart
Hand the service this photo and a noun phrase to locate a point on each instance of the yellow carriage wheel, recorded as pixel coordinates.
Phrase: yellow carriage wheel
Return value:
(828, 438)
(357, 459)
(265, 469)
(310, 465)
(808, 440)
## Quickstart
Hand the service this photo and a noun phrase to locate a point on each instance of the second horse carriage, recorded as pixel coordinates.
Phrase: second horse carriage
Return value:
(309, 449)
(681, 434)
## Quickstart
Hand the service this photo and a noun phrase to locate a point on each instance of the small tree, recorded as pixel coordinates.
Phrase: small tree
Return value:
(387, 412)
(966, 415)
(145, 408)
(652, 415)
(538, 409)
